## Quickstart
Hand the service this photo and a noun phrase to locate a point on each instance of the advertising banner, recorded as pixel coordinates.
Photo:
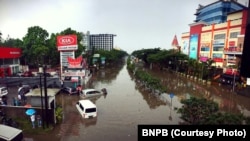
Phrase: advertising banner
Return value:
(7, 52)
(67, 42)
(75, 63)
(193, 46)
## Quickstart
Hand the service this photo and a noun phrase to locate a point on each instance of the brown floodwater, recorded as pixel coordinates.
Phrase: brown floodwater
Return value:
(129, 103)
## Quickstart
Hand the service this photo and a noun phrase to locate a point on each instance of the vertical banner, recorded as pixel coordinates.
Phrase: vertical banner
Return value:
(193, 46)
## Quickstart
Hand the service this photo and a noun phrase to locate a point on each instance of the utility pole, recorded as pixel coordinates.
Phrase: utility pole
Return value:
(45, 93)
(41, 91)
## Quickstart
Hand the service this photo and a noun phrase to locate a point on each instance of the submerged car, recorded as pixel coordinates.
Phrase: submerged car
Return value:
(24, 89)
(86, 108)
(92, 92)
(69, 90)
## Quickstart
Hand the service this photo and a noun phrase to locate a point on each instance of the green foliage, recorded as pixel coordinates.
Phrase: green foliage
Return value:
(12, 43)
(35, 45)
(59, 114)
(144, 53)
(194, 110)
(112, 56)
(130, 66)
(149, 80)
(200, 111)
(224, 118)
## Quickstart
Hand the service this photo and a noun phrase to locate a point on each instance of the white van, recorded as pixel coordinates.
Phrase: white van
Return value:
(3, 91)
(86, 108)
(8, 133)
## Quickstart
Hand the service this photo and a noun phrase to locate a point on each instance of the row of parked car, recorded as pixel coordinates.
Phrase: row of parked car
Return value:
(30, 74)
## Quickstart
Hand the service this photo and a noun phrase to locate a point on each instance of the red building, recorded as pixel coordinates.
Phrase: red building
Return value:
(9, 61)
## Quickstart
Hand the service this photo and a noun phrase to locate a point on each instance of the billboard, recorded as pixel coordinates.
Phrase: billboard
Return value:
(67, 42)
(193, 46)
(7, 52)
(185, 46)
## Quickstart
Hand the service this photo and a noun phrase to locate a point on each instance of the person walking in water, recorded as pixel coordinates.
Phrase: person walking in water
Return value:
(39, 121)
(33, 120)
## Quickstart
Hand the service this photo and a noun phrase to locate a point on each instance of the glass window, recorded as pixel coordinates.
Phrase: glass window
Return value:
(218, 48)
(217, 55)
(219, 36)
(90, 110)
(234, 34)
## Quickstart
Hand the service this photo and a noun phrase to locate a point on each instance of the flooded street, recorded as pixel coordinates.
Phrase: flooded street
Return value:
(128, 104)
(119, 113)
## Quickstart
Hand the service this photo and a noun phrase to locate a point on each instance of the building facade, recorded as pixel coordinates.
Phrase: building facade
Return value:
(9, 61)
(217, 12)
(100, 42)
(222, 40)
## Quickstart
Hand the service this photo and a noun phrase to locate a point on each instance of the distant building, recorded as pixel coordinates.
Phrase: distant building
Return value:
(99, 41)
(9, 60)
(175, 43)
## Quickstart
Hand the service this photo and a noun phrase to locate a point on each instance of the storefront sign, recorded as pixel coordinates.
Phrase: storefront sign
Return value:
(67, 42)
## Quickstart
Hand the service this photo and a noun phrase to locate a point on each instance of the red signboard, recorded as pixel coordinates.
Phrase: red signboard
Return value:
(203, 59)
(231, 43)
(8, 52)
(218, 59)
(75, 63)
(66, 42)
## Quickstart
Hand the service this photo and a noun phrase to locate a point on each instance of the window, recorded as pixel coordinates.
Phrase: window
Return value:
(219, 36)
(90, 110)
(218, 48)
(80, 105)
(205, 48)
(234, 34)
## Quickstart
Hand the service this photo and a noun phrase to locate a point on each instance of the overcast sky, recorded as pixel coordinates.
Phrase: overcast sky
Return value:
(138, 24)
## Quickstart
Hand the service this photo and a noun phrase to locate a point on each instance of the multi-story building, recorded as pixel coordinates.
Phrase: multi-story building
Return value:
(99, 41)
(217, 12)
(220, 39)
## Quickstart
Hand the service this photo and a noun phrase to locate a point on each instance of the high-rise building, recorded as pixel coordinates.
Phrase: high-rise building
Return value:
(101, 42)
(217, 12)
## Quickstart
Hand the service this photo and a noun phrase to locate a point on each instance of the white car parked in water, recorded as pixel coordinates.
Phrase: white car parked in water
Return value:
(92, 92)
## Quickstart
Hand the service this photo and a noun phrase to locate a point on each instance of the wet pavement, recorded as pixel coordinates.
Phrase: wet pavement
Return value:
(128, 103)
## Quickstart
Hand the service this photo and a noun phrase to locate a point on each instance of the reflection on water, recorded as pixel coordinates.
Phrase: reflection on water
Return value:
(183, 88)
(129, 103)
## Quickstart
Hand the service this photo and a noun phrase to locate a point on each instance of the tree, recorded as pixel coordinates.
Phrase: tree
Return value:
(1, 37)
(35, 45)
(53, 54)
(11, 42)
(200, 111)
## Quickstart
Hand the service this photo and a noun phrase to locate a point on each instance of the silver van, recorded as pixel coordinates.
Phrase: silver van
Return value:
(86, 108)
(8, 133)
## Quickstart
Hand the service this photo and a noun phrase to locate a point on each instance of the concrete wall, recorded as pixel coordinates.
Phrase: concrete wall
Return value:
(32, 81)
